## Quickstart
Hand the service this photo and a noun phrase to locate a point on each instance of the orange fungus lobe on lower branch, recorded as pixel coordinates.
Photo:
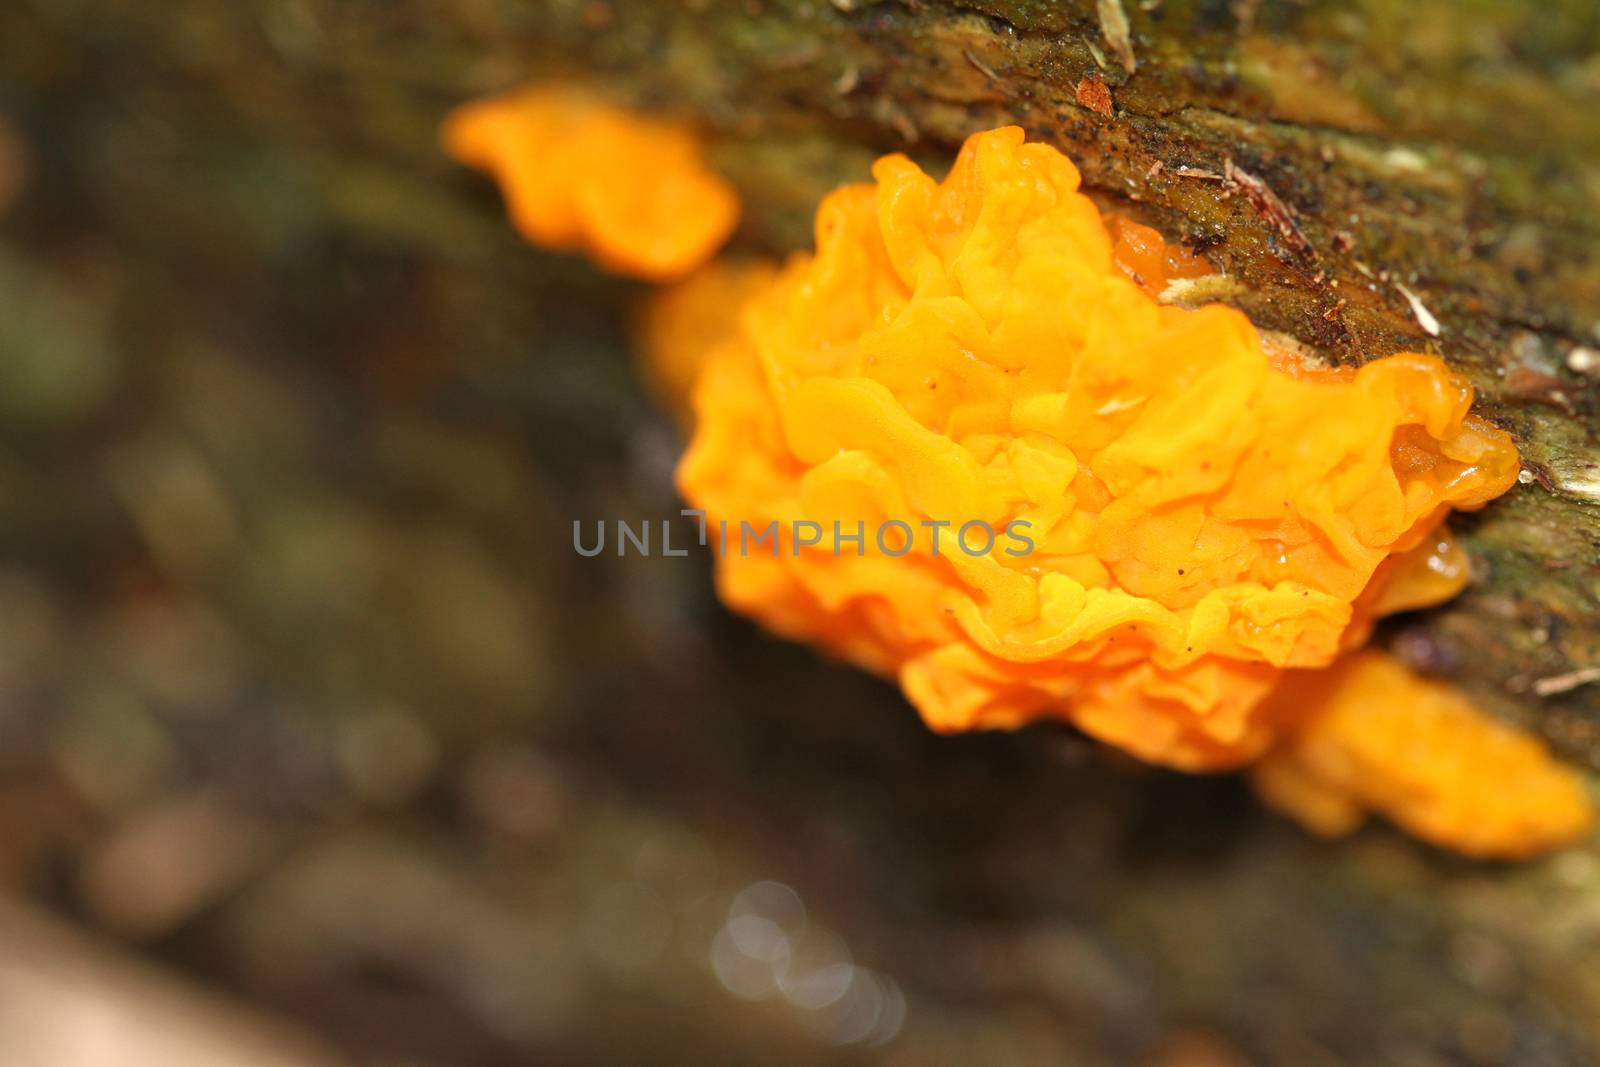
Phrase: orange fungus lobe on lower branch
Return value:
(1201, 519)
(1371, 736)
(578, 173)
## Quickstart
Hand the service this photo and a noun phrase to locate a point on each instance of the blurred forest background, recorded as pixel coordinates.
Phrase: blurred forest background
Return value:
(319, 745)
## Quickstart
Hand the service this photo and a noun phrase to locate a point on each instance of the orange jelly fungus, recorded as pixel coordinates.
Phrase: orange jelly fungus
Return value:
(1211, 524)
(1371, 736)
(1144, 256)
(632, 193)
(679, 325)
(1201, 520)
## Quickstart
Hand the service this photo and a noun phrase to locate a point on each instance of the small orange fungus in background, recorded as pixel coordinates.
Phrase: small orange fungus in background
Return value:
(633, 193)
(680, 324)
(1206, 521)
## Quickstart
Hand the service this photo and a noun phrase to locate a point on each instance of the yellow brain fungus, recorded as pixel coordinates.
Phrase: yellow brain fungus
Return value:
(1175, 519)
(1372, 736)
(577, 173)
(967, 351)
(1147, 259)
(679, 325)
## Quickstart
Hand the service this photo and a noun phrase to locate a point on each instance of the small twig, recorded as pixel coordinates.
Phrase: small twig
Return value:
(896, 117)
(1425, 319)
(982, 69)
(1270, 207)
(1118, 34)
(1562, 683)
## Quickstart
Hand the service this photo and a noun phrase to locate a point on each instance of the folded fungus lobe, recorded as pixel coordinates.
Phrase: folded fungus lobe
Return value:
(631, 192)
(1371, 736)
(1203, 517)
(680, 324)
